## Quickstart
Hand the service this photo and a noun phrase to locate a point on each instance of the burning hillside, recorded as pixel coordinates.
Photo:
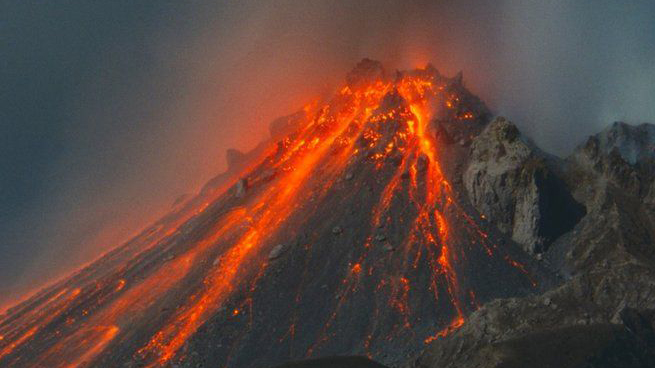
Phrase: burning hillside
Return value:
(347, 235)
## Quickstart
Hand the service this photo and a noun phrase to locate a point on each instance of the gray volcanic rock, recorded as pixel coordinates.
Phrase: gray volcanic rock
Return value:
(602, 315)
(448, 126)
(622, 156)
(584, 323)
(615, 181)
(634, 143)
(510, 182)
(629, 343)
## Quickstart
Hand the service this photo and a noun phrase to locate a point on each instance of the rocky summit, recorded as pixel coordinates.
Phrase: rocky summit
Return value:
(397, 223)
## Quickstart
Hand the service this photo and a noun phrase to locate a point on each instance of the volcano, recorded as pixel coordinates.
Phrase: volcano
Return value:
(349, 232)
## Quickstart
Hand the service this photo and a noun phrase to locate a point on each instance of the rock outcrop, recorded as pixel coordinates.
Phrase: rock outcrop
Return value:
(602, 315)
(512, 184)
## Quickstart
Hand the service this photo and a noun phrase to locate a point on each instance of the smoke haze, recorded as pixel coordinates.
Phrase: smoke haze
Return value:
(109, 112)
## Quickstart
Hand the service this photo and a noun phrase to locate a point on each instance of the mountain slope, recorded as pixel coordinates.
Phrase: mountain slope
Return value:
(350, 234)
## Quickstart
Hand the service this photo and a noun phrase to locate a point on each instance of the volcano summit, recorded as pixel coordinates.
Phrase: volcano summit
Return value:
(371, 224)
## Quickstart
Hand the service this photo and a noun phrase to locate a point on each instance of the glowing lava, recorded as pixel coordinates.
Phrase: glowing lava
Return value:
(162, 289)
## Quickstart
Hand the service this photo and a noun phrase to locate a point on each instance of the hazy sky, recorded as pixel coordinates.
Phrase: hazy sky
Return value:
(111, 110)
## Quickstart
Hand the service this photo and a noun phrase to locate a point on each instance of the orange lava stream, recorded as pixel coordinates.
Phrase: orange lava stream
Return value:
(37, 320)
(104, 335)
(353, 126)
(430, 225)
(429, 191)
(281, 200)
(96, 334)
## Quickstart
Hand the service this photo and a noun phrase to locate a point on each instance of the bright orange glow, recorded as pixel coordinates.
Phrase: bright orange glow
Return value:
(457, 323)
(300, 161)
(223, 240)
(121, 285)
(9, 348)
(103, 336)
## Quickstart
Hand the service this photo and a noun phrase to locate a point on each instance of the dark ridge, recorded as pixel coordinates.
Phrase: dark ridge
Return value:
(334, 362)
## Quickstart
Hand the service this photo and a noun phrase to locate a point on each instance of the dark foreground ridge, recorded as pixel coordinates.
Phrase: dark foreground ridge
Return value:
(397, 220)
(337, 362)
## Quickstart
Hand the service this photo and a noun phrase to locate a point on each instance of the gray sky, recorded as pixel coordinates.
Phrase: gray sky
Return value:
(111, 110)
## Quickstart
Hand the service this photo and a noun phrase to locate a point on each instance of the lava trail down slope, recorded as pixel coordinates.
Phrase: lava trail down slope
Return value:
(347, 235)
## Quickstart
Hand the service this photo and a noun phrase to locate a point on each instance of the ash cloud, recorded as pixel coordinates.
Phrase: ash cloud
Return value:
(109, 112)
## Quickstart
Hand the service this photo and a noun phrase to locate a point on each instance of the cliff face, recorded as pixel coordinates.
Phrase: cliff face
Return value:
(511, 182)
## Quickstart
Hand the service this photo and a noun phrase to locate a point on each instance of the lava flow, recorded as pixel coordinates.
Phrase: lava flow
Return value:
(345, 237)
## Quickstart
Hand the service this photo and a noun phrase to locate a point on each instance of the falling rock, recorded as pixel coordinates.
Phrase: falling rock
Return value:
(380, 237)
(276, 252)
(337, 230)
(388, 247)
(349, 176)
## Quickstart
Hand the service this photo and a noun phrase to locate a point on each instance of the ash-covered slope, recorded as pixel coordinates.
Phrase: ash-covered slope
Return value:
(349, 234)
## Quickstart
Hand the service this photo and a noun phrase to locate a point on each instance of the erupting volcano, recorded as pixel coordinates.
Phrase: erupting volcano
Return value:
(348, 234)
